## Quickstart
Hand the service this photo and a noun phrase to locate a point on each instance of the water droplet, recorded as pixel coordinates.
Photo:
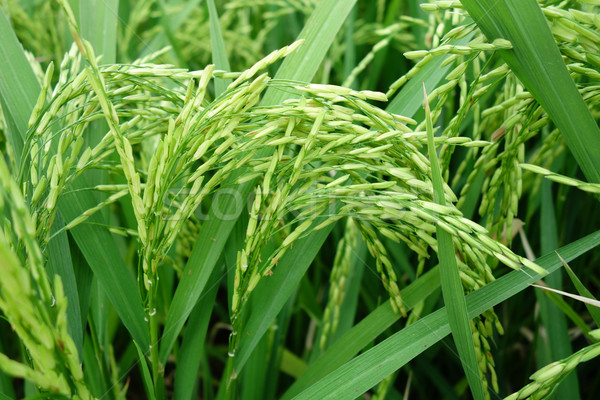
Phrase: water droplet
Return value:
(53, 302)
(153, 312)
(231, 355)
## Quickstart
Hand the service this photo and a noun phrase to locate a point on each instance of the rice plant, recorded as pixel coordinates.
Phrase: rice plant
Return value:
(299, 199)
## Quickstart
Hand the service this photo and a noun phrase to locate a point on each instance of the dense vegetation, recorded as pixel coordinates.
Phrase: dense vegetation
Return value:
(299, 199)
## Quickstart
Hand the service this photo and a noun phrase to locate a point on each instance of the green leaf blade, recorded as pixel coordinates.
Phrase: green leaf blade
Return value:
(219, 52)
(452, 289)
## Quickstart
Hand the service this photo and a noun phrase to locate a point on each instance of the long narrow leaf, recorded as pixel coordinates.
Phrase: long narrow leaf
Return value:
(594, 311)
(19, 88)
(219, 52)
(557, 340)
(146, 378)
(98, 248)
(452, 289)
(98, 22)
